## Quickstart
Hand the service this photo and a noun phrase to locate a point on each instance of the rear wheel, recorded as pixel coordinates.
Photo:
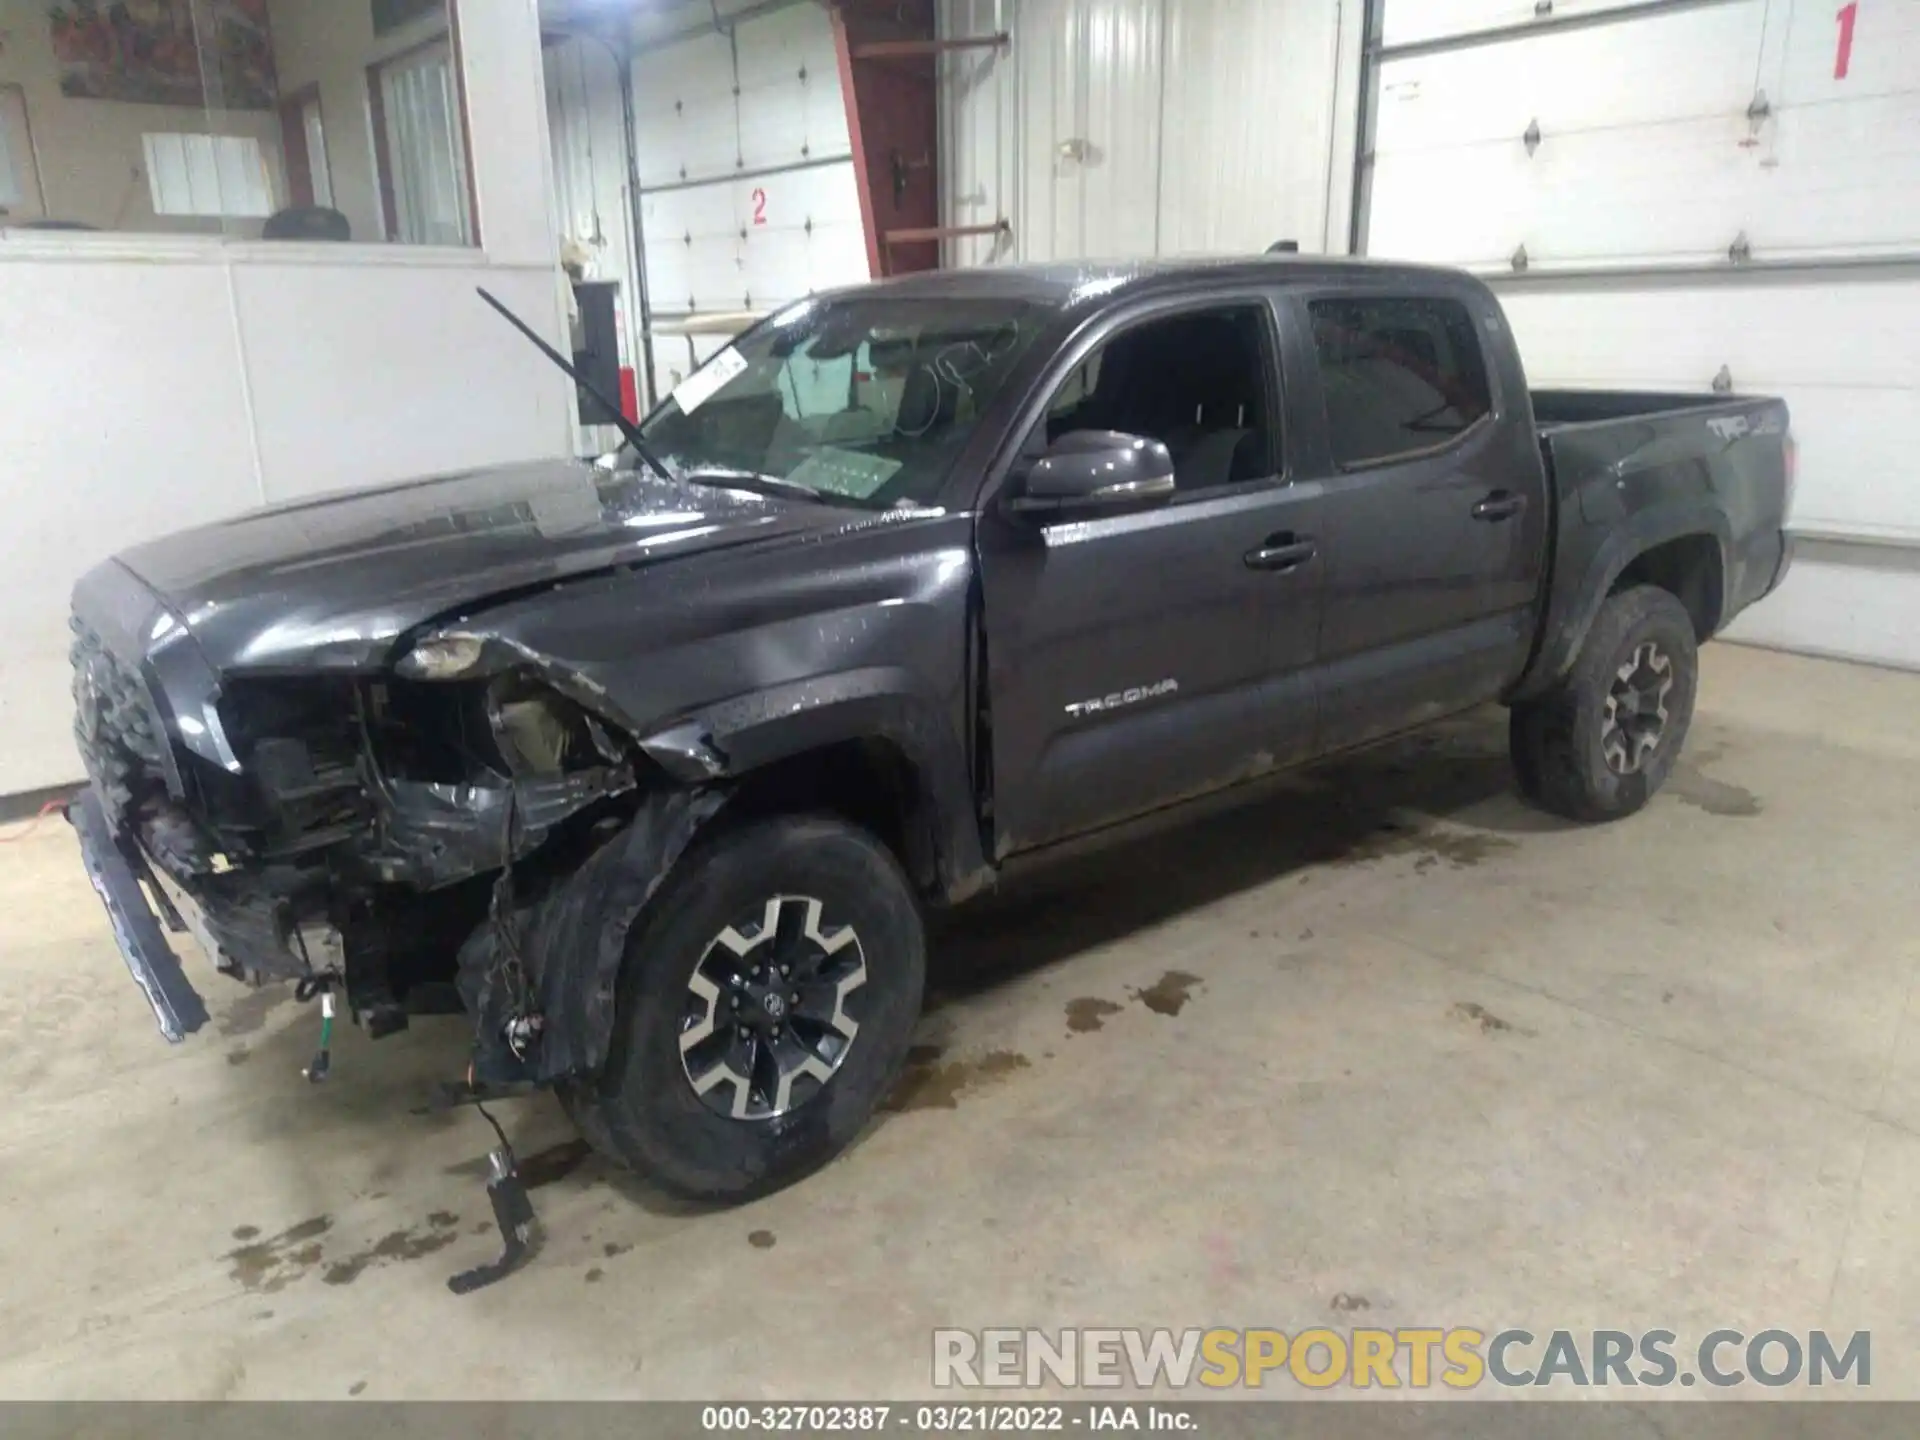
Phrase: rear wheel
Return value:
(1601, 744)
(766, 1005)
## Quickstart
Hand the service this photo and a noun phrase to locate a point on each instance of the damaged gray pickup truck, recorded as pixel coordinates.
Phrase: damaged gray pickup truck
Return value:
(653, 767)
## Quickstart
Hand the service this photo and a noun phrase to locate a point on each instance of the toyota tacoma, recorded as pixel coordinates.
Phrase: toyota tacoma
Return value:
(655, 766)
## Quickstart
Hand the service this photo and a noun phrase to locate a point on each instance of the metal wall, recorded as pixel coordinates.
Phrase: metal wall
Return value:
(1140, 127)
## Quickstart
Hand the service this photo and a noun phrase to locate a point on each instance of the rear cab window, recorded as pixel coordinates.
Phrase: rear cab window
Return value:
(1400, 376)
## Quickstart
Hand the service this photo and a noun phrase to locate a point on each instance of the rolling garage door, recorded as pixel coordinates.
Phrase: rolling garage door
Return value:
(748, 196)
(1669, 193)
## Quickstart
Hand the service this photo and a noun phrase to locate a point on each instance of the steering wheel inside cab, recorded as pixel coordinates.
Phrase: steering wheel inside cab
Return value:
(932, 392)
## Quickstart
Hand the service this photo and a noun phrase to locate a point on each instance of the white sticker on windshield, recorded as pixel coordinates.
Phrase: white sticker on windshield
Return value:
(699, 387)
(844, 472)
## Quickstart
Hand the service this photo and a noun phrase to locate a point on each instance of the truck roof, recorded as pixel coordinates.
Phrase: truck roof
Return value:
(1070, 282)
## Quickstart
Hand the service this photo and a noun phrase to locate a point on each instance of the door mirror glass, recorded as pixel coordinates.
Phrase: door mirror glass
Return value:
(1096, 470)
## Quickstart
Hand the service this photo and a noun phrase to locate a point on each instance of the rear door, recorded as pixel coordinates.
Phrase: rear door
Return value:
(1434, 522)
(1140, 659)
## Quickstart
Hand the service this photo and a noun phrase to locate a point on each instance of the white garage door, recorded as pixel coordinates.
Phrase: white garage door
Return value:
(1662, 135)
(748, 196)
(1673, 188)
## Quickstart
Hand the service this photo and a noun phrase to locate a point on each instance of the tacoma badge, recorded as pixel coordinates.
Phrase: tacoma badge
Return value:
(1122, 697)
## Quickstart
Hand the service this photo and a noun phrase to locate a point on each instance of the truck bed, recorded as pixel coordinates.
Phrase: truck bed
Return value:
(1630, 471)
(1556, 409)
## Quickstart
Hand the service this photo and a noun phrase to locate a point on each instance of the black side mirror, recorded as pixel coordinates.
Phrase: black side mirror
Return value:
(1095, 470)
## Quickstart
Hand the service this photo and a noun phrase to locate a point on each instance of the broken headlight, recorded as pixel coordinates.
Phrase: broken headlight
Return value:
(447, 656)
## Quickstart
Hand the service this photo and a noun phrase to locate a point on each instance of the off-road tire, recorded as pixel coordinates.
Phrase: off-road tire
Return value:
(642, 1111)
(1556, 741)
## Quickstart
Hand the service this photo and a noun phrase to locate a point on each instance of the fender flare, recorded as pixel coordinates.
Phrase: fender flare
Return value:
(1573, 607)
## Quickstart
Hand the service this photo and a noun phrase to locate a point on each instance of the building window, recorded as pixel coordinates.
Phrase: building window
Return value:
(303, 142)
(320, 178)
(19, 175)
(422, 148)
(295, 120)
(218, 176)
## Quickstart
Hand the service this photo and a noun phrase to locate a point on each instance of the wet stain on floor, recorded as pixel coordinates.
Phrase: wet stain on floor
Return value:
(1346, 1304)
(248, 1013)
(1691, 786)
(244, 1233)
(1089, 1013)
(935, 1084)
(265, 1266)
(1169, 994)
(238, 1055)
(594, 1275)
(1427, 845)
(610, 1249)
(761, 1239)
(356, 1387)
(442, 1231)
(1489, 1023)
(553, 1164)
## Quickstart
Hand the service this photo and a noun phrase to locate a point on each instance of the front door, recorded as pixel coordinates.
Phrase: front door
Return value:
(1139, 659)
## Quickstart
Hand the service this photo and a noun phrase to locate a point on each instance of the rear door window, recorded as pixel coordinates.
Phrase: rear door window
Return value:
(1400, 376)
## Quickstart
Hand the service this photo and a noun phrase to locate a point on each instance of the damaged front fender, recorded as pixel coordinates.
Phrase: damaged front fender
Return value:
(541, 977)
(435, 834)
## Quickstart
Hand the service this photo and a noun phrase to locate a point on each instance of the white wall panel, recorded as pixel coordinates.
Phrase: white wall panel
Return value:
(87, 478)
(981, 145)
(1116, 128)
(346, 392)
(1247, 154)
(1106, 193)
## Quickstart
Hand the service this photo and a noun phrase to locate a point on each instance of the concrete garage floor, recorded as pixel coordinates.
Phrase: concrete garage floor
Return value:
(1392, 1050)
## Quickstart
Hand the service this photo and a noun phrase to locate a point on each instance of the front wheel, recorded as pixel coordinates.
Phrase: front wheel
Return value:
(765, 1008)
(1601, 743)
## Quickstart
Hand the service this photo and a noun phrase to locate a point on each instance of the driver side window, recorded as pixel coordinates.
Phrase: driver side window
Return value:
(1198, 382)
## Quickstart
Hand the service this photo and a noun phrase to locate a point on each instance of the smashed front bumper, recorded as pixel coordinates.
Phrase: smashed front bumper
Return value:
(114, 865)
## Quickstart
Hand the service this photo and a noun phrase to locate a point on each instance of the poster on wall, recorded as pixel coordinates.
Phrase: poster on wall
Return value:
(145, 51)
(390, 15)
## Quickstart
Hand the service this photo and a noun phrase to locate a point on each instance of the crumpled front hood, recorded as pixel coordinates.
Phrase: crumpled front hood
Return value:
(331, 582)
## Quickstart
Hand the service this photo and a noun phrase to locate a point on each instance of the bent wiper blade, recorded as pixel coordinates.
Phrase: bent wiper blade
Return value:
(625, 426)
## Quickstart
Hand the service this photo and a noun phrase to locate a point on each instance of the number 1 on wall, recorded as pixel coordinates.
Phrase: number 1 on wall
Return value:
(1844, 56)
